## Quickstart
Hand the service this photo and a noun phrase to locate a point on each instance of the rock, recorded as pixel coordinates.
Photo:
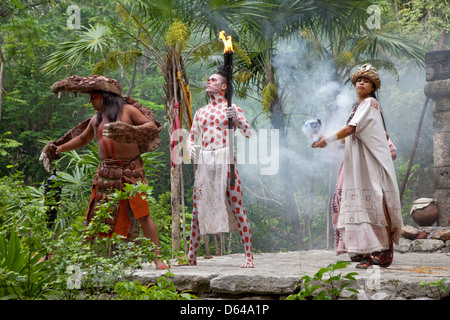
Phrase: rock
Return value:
(260, 284)
(361, 295)
(422, 235)
(409, 232)
(446, 248)
(427, 245)
(435, 234)
(403, 245)
(445, 235)
(276, 275)
(381, 296)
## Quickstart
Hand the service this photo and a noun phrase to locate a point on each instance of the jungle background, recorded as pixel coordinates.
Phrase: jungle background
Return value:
(292, 63)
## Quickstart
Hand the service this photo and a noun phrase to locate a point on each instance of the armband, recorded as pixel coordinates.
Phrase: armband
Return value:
(331, 138)
(341, 134)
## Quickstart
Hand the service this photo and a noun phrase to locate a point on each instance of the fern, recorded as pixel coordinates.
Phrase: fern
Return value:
(6, 143)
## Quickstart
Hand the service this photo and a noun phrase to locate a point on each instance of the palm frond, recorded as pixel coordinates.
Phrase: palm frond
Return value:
(94, 40)
(375, 44)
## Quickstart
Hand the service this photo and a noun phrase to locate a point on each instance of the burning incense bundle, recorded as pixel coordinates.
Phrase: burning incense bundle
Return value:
(313, 129)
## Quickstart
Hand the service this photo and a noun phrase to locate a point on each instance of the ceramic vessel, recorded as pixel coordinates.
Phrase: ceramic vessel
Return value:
(425, 212)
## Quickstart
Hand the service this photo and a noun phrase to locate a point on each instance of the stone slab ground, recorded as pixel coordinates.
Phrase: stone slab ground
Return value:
(276, 275)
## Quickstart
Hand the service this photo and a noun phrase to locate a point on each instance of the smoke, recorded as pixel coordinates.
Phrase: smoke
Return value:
(310, 89)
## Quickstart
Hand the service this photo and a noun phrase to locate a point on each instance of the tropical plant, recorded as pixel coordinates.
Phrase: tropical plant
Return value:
(87, 261)
(439, 284)
(164, 289)
(22, 274)
(6, 143)
(325, 284)
(95, 40)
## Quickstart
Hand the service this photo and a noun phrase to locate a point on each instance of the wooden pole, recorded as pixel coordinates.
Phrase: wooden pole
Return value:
(228, 63)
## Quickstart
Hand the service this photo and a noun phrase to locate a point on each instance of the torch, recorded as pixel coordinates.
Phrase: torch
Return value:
(228, 64)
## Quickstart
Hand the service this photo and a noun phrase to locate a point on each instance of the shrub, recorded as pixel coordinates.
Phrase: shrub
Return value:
(320, 287)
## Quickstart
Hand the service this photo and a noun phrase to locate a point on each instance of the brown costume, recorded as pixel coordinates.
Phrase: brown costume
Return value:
(111, 173)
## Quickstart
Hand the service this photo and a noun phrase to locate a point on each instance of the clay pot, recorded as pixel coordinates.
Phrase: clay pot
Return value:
(426, 213)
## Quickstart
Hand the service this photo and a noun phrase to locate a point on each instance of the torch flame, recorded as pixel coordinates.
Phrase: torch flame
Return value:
(228, 45)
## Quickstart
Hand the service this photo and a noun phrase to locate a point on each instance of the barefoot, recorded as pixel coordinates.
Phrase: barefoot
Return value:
(160, 265)
(248, 264)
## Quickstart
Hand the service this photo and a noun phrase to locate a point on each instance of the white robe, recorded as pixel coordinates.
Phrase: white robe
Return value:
(369, 176)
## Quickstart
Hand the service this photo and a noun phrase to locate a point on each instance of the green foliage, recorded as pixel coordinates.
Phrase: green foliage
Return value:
(269, 94)
(325, 284)
(100, 262)
(22, 209)
(116, 59)
(271, 231)
(177, 35)
(423, 21)
(22, 276)
(6, 143)
(439, 284)
(82, 265)
(92, 42)
(163, 290)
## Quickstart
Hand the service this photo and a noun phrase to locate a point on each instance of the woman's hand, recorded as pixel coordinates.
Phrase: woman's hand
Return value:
(322, 143)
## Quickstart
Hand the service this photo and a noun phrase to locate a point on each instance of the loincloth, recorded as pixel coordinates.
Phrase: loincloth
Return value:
(112, 175)
(210, 187)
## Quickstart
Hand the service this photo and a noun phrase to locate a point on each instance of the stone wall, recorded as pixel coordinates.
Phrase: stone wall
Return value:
(438, 89)
(424, 239)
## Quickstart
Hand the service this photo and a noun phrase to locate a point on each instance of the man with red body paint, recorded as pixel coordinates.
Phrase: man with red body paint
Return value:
(119, 129)
(211, 126)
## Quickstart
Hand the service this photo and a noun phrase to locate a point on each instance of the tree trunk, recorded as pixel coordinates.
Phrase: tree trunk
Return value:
(175, 204)
(171, 97)
(2, 74)
(278, 122)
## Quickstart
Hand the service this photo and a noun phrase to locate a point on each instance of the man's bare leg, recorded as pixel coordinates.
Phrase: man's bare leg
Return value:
(235, 200)
(149, 228)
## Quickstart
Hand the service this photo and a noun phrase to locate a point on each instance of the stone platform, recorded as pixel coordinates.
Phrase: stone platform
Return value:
(276, 275)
